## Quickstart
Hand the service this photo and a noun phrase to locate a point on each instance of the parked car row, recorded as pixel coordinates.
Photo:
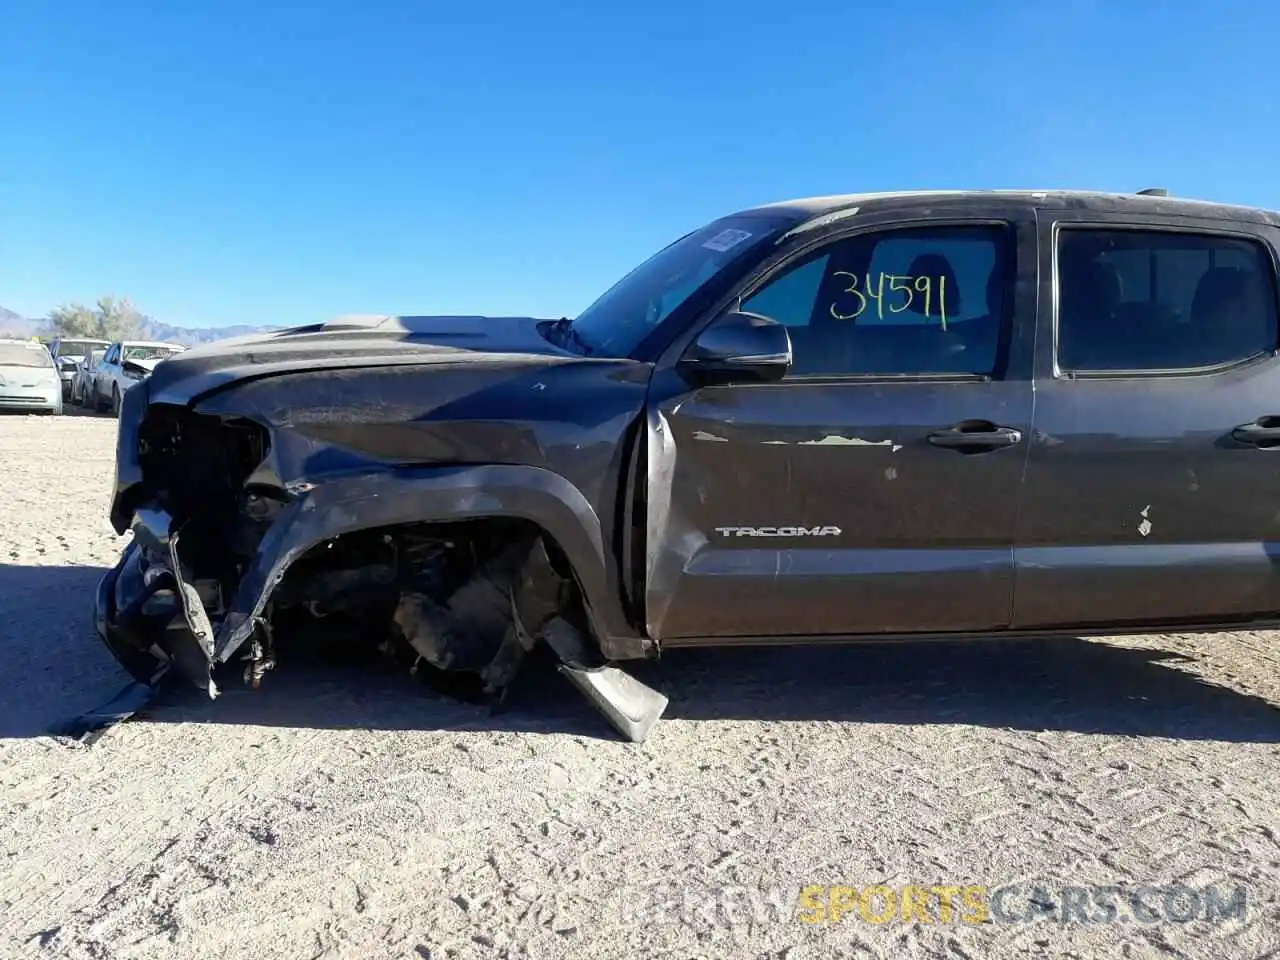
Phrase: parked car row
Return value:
(82, 371)
(69, 355)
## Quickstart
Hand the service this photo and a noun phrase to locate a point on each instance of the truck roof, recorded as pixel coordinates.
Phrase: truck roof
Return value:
(1101, 201)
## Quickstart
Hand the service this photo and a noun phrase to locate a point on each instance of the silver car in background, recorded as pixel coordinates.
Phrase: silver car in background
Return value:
(28, 377)
(82, 382)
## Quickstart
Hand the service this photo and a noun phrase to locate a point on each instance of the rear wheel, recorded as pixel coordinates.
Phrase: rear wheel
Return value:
(115, 401)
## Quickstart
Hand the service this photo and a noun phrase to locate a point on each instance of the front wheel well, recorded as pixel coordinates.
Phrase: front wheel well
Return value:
(451, 592)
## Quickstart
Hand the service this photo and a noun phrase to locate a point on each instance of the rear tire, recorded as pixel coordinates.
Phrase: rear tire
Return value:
(115, 401)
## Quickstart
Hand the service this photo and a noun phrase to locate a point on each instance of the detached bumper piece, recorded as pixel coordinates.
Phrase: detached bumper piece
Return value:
(91, 725)
(149, 616)
(631, 707)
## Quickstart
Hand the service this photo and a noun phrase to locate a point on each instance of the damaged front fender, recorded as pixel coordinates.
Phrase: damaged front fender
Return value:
(431, 495)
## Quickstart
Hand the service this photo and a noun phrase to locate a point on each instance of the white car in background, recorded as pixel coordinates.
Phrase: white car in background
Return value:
(124, 364)
(28, 377)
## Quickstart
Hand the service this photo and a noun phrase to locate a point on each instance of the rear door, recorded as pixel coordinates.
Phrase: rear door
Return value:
(855, 496)
(1153, 483)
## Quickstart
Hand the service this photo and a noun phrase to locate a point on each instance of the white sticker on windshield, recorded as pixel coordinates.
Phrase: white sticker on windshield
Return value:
(726, 239)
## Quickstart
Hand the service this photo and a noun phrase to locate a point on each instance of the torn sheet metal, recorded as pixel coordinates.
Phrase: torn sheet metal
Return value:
(91, 725)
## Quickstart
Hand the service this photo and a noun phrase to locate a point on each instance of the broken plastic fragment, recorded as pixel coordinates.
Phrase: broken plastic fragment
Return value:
(92, 724)
(631, 707)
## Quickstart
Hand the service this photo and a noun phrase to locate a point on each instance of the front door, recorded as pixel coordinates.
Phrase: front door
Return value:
(875, 489)
(1153, 482)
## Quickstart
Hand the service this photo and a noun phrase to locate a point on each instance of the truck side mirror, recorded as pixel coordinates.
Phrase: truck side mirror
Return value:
(738, 348)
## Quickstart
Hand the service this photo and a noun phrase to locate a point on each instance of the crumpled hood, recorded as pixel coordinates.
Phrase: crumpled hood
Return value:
(347, 343)
(148, 364)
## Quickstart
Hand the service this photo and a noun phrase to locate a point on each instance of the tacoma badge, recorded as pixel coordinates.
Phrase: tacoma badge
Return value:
(778, 531)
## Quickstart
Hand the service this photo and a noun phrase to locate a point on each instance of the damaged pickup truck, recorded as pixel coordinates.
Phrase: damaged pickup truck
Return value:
(890, 416)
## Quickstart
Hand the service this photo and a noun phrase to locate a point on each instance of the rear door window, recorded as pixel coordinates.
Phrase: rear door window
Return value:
(1148, 300)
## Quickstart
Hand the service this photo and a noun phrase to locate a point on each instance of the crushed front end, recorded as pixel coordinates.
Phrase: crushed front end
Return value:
(223, 550)
(196, 524)
(430, 489)
(248, 525)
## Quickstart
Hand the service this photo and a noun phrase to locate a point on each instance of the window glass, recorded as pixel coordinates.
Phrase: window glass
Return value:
(148, 351)
(917, 301)
(789, 298)
(74, 348)
(620, 319)
(27, 354)
(1149, 300)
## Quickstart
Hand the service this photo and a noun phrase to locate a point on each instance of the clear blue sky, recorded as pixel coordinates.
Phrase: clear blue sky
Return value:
(267, 163)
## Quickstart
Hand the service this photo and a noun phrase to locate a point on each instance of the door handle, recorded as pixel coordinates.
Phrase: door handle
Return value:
(1264, 430)
(975, 436)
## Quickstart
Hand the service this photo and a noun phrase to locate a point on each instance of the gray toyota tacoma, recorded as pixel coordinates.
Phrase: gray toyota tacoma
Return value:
(895, 416)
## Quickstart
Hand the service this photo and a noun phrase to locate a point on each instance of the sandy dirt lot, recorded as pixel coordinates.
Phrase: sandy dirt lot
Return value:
(344, 811)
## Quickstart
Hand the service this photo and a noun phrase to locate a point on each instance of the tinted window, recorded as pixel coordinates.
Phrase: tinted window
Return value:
(914, 301)
(1145, 300)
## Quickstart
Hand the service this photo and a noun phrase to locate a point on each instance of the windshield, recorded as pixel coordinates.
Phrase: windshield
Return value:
(25, 355)
(618, 321)
(149, 353)
(95, 358)
(74, 348)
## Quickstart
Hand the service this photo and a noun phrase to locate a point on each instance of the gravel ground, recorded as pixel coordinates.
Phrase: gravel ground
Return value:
(347, 812)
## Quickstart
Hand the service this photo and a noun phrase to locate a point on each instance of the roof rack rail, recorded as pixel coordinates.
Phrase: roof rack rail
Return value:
(1153, 192)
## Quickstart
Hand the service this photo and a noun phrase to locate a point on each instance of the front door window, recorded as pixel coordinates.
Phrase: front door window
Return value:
(898, 302)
